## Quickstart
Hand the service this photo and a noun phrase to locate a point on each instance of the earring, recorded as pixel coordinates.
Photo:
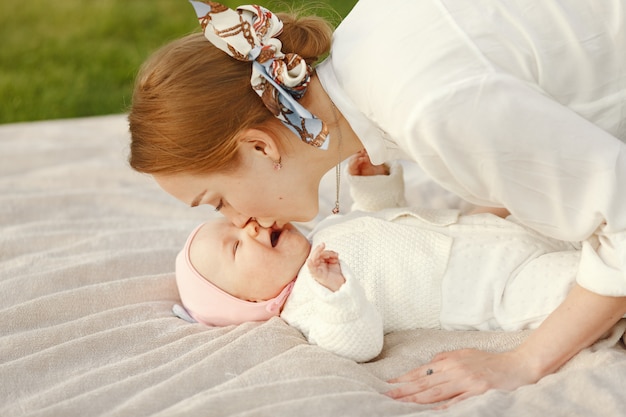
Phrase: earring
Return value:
(277, 164)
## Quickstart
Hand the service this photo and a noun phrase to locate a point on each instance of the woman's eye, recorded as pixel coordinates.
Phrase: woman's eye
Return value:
(219, 205)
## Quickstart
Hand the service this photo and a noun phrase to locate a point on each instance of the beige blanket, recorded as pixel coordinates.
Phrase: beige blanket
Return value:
(87, 251)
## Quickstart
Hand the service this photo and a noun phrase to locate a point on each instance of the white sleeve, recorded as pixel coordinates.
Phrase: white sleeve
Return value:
(499, 141)
(345, 322)
(377, 192)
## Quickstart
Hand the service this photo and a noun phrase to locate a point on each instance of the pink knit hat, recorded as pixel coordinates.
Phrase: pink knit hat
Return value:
(212, 306)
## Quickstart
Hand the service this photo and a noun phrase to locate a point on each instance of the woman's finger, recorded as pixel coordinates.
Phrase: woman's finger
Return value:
(414, 374)
(428, 389)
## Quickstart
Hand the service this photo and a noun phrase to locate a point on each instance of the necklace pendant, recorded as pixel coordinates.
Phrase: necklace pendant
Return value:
(336, 210)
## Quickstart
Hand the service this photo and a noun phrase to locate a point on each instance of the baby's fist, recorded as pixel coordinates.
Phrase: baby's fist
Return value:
(360, 165)
(324, 266)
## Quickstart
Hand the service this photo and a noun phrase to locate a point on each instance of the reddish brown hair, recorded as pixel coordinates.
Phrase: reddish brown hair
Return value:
(191, 99)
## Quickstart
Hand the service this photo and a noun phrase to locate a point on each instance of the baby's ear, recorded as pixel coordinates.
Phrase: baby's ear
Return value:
(180, 312)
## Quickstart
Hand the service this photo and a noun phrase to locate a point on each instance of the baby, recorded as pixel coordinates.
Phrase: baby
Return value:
(398, 268)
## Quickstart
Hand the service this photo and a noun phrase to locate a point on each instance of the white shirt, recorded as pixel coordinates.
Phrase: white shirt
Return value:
(516, 103)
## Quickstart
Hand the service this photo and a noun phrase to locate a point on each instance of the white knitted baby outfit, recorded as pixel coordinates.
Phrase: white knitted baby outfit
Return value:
(403, 291)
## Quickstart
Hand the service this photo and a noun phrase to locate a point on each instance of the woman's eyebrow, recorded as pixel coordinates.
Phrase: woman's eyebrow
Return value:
(196, 200)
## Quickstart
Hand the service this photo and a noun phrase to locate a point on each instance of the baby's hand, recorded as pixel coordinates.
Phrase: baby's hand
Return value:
(360, 165)
(325, 268)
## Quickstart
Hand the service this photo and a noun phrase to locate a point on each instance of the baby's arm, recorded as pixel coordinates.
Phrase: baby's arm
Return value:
(342, 320)
(375, 187)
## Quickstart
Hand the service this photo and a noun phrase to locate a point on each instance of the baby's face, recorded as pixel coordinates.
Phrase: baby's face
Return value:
(252, 263)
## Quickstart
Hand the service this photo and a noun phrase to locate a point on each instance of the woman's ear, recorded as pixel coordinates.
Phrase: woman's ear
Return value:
(259, 142)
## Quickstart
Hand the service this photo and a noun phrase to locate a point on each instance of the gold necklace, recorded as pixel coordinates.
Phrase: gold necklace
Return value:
(338, 166)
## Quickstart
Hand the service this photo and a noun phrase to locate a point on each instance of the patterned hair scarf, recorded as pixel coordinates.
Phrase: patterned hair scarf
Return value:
(249, 34)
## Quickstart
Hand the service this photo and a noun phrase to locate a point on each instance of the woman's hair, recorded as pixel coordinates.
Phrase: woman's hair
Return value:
(191, 99)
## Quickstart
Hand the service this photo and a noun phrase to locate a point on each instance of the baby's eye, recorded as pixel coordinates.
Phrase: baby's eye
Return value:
(235, 247)
(219, 205)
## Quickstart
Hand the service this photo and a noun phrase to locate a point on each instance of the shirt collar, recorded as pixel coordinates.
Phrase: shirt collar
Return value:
(369, 134)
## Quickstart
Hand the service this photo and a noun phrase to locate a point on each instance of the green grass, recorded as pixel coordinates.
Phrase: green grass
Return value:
(75, 58)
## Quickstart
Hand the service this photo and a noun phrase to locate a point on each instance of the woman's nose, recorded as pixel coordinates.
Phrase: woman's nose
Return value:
(236, 218)
(267, 223)
(240, 221)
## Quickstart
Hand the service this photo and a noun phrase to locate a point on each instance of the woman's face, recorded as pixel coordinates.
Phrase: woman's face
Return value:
(252, 263)
(254, 190)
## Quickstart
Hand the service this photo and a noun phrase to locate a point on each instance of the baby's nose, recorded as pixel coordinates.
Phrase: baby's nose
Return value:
(252, 227)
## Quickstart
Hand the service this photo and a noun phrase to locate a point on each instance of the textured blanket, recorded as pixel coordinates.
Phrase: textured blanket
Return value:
(87, 250)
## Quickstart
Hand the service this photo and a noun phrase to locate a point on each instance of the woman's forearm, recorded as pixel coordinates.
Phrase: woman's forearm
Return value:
(577, 323)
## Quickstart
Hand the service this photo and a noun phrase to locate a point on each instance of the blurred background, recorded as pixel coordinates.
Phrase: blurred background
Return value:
(76, 58)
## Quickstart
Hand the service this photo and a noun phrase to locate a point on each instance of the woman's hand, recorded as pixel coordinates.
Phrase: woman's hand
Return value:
(360, 165)
(324, 266)
(578, 322)
(457, 375)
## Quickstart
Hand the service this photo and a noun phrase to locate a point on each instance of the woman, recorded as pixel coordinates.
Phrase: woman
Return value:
(517, 105)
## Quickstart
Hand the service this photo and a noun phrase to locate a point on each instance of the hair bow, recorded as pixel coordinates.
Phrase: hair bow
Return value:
(250, 34)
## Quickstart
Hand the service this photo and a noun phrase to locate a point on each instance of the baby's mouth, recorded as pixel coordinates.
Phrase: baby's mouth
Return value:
(274, 237)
